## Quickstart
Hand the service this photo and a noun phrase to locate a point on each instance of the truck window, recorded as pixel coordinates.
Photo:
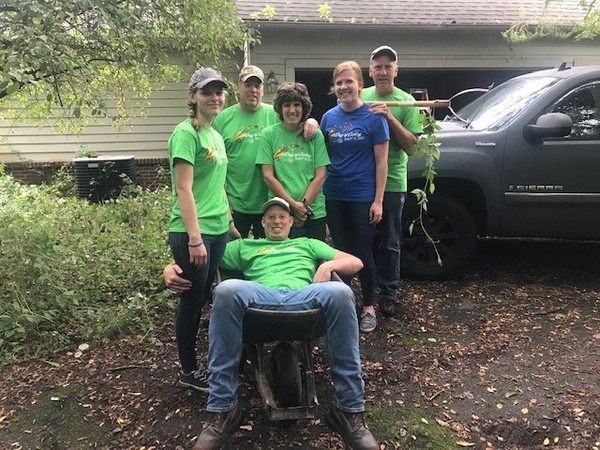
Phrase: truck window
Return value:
(582, 105)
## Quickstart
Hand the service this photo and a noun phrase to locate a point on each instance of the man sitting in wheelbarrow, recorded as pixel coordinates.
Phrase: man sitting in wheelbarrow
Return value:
(282, 274)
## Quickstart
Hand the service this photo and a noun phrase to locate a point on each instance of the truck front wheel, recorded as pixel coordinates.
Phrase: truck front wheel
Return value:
(452, 228)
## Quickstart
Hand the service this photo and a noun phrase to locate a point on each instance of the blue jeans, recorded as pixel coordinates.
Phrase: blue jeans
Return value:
(232, 297)
(192, 301)
(243, 222)
(390, 234)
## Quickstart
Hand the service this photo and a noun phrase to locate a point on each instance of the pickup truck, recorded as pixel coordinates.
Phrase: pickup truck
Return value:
(525, 163)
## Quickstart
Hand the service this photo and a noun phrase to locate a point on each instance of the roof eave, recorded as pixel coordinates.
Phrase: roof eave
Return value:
(275, 25)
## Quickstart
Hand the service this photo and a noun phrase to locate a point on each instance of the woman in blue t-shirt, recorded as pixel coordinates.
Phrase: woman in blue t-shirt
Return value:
(357, 141)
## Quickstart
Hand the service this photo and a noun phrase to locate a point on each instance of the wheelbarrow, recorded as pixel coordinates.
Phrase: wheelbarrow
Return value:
(291, 395)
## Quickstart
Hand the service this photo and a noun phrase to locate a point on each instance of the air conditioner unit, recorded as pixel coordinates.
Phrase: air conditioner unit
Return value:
(102, 178)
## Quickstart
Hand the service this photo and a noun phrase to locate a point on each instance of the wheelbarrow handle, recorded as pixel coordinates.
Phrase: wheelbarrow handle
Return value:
(335, 277)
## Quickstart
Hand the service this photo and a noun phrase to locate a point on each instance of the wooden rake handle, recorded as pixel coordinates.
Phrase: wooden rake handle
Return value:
(422, 103)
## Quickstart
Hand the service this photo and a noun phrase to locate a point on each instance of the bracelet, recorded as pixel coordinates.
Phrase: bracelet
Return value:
(196, 245)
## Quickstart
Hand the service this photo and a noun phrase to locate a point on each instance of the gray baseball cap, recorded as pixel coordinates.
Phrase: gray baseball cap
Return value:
(203, 76)
(276, 201)
(385, 50)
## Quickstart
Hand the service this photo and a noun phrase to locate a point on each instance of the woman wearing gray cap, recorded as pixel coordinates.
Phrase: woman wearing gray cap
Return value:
(199, 214)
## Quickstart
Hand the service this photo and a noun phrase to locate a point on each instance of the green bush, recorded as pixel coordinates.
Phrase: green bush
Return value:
(71, 271)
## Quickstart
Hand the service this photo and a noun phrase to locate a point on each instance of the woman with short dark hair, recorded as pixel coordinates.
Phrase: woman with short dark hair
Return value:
(293, 168)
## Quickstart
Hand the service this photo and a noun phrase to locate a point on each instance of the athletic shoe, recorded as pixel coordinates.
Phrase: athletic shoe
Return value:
(387, 307)
(368, 322)
(196, 379)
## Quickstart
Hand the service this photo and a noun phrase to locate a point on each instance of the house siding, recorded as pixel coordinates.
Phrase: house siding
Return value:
(144, 137)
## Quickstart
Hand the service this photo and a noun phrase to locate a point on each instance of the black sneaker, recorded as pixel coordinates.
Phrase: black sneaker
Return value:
(387, 307)
(197, 379)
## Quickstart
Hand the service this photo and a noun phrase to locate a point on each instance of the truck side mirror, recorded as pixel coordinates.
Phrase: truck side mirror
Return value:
(548, 125)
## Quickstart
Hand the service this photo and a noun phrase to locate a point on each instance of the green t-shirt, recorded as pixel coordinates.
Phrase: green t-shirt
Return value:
(245, 186)
(294, 161)
(288, 264)
(408, 116)
(204, 149)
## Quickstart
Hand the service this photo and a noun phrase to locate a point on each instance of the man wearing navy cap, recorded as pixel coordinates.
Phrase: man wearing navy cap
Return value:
(404, 129)
(284, 274)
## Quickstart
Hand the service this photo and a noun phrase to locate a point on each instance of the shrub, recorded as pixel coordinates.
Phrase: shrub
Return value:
(72, 271)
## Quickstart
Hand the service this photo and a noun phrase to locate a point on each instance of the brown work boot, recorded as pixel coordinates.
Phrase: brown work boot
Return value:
(217, 429)
(353, 429)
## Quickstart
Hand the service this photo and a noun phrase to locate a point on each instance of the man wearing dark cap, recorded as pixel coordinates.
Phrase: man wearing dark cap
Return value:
(240, 126)
(282, 274)
(404, 129)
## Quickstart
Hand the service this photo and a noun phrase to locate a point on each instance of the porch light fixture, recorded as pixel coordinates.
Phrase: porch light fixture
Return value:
(271, 83)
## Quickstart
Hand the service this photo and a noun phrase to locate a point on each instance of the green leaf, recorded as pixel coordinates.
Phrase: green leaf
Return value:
(52, 363)
(12, 88)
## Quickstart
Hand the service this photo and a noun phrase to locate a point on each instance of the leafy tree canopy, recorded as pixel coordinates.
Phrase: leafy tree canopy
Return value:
(79, 56)
(588, 28)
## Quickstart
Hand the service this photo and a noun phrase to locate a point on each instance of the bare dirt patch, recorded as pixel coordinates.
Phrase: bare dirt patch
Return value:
(505, 357)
